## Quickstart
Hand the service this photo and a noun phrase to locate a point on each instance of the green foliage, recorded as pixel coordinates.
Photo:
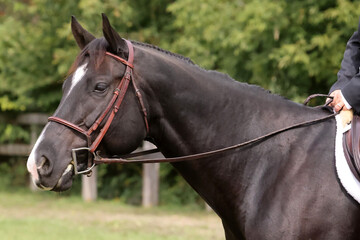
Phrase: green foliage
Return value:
(120, 181)
(13, 173)
(293, 48)
(11, 133)
(5, 176)
(290, 47)
(124, 182)
(37, 48)
(174, 190)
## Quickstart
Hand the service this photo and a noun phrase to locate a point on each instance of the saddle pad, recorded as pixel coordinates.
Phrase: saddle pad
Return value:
(347, 179)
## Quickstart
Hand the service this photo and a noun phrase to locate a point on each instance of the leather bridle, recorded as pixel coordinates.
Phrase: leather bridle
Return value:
(119, 93)
(110, 111)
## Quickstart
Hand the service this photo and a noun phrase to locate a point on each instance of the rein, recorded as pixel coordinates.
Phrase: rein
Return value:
(125, 159)
(112, 108)
(99, 160)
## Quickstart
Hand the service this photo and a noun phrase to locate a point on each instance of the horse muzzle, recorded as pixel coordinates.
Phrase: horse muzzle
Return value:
(63, 183)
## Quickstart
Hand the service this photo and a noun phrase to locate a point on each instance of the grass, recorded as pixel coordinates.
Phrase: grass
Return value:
(43, 215)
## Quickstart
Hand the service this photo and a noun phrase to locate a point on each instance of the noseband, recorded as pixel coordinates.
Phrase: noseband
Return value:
(112, 107)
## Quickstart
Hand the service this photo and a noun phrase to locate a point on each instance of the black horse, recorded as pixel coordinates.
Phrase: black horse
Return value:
(283, 187)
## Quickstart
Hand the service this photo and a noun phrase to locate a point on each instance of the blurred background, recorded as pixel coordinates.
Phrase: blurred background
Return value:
(290, 47)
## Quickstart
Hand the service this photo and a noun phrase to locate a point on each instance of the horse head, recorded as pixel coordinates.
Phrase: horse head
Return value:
(92, 93)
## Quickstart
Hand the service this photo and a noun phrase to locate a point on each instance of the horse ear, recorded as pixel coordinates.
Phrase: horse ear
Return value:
(117, 45)
(81, 36)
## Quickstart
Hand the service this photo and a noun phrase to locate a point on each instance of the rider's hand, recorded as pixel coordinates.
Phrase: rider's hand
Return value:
(338, 102)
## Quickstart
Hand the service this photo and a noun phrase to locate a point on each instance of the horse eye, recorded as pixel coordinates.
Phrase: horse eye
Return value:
(100, 87)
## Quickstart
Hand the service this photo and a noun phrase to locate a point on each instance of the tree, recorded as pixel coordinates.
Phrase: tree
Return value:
(37, 48)
(292, 48)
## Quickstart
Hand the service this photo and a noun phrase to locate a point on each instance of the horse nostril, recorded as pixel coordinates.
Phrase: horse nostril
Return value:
(45, 166)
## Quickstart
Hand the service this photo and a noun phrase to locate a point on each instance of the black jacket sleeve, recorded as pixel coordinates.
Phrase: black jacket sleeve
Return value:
(348, 78)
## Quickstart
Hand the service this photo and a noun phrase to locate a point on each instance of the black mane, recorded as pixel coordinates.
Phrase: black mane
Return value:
(96, 49)
(188, 60)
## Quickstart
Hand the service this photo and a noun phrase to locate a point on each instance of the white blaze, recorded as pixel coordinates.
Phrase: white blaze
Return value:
(78, 75)
(31, 163)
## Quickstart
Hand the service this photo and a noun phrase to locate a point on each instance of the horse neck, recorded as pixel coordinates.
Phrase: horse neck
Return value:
(192, 110)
